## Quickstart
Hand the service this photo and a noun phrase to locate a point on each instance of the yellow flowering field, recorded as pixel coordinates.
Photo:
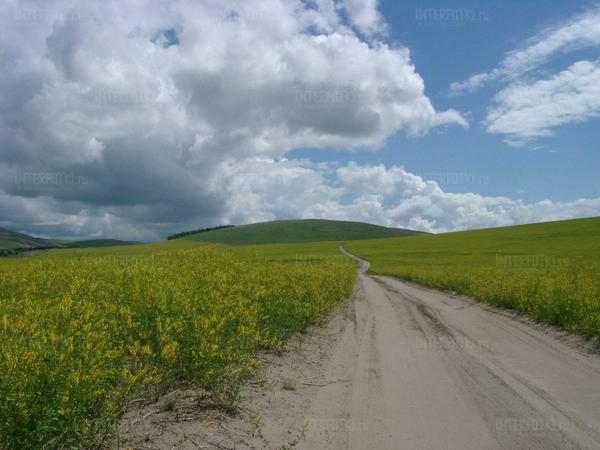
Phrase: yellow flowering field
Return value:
(82, 332)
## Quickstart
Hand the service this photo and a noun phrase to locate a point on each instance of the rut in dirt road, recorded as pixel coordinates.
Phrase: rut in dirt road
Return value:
(423, 369)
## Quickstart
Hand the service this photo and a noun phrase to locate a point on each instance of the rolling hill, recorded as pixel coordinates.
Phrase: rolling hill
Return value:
(577, 239)
(12, 242)
(298, 231)
(93, 243)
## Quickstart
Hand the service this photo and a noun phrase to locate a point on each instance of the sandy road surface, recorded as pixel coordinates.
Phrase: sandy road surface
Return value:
(402, 367)
(431, 370)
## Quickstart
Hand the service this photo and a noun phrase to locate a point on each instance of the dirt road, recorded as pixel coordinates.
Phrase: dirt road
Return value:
(405, 367)
(429, 370)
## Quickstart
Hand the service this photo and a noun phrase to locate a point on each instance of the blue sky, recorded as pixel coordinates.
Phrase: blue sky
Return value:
(135, 120)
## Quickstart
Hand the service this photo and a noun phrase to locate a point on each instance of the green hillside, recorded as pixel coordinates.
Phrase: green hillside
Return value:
(297, 231)
(13, 240)
(94, 243)
(12, 243)
(575, 239)
(548, 270)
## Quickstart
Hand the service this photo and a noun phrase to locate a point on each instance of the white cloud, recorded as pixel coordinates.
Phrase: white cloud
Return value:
(169, 137)
(365, 16)
(250, 77)
(394, 197)
(377, 179)
(265, 189)
(150, 102)
(526, 111)
(260, 189)
(580, 32)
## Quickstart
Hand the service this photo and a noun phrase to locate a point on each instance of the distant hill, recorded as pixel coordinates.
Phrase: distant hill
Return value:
(13, 243)
(13, 240)
(297, 231)
(96, 243)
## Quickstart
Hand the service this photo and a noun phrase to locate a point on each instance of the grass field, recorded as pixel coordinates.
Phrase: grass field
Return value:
(550, 271)
(297, 231)
(85, 330)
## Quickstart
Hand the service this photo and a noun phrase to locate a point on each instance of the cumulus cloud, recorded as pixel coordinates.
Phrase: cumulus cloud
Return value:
(395, 197)
(153, 105)
(526, 111)
(132, 120)
(373, 193)
(260, 189)
(580, 32)
(365, 16)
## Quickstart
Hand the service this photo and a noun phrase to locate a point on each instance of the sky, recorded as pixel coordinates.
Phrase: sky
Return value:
(138, 119)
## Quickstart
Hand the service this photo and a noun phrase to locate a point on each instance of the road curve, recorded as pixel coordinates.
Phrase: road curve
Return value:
(423, 369)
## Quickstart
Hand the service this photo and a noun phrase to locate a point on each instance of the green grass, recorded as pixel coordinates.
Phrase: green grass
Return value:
(297, 231)
(550, 271)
